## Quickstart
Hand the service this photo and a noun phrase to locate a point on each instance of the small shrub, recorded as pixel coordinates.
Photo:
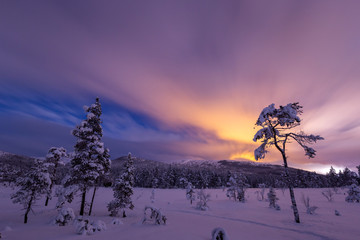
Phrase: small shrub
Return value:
(116, 221)
(83, 227)
(65, 216)
(152, 214)
(99, 225)
(219, 234)
(309, 209)
(337, 213)
(328, 194)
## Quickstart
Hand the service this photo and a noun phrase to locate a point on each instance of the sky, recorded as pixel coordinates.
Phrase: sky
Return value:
(181, 80)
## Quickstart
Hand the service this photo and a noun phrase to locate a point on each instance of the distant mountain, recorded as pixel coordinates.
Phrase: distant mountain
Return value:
(202, 173)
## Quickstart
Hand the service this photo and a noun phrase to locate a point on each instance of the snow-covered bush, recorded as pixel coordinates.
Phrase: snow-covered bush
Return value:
(273, 199)
(65, 216)
(328, 194)
(83, 227)
(190, 193)
(353, 194)
(152, 214)
(219, 234)
(116, 221)
(99, 225)
(309, 209)
(337, 213)
(203, 198)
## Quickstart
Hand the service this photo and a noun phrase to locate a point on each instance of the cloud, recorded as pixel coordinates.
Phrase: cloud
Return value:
(183, 65)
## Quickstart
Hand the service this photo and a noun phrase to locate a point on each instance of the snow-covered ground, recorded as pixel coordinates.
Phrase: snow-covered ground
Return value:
(250, 220)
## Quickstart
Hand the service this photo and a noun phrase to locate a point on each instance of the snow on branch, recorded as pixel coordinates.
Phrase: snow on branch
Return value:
(302, 139)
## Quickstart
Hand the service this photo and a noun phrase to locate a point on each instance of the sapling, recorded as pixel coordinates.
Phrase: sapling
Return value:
(309, 209)
(204, 198)
(328, 194)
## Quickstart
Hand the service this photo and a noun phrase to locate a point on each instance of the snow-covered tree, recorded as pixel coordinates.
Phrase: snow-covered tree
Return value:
(236, 187)
(276, 125)
(31, 186)
(190, 193)
(332, 177)
(123, 190)
(91, 159)
(273, 199)
(53, 160)
(353, 194)
(204, 198)
(261, 192)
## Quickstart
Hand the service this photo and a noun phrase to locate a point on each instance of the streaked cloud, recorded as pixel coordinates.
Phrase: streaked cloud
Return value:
(185, 79)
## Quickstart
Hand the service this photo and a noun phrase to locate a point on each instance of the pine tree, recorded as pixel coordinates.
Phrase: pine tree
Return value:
(32, 185)
(53, 160)
(123, 189)
(353, 194)
(276, 125)
(91, 160)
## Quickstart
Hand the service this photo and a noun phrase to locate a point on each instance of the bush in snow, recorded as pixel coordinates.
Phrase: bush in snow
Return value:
(309, 209)
(99, 225)
(190, 193)
(273, 199)
(219, 234)
(83, 227)
(328, 194)
(152, 214)
(116, 221)
(337, 213)
(203, 198)
(65, 216)
(34, 184)
(123, 190)
(276, 125)
(353, 194)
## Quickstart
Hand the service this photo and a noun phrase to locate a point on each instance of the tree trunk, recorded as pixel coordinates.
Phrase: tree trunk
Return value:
(92, 200)
(291, 190)
(83, 198)
(51, 185)
(124, 215)
(28, 208)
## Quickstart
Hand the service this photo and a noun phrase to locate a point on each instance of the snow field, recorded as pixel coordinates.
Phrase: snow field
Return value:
(250, 220)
